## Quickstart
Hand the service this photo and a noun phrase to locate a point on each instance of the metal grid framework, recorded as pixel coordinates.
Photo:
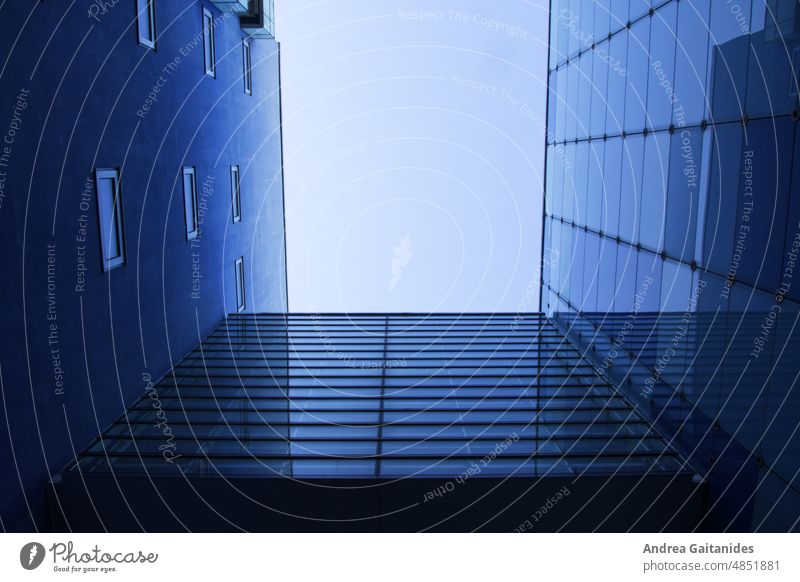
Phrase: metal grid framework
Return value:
(635, 90)
(657, 112)
(381, 396)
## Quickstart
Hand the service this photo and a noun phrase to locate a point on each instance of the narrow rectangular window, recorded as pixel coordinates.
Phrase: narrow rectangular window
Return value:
(190, 203)
(109, 209)
(208, 43)
(146, 11)
(236, 194)
(248, 67)
(240, 296)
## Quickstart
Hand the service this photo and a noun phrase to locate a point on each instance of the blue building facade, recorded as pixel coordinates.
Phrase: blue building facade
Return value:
(151, 379)
(672, 229)
(141, 200)
(381, 422)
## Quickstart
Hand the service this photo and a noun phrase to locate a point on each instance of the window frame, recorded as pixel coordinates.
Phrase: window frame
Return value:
(236, 194)
(110, 263)
(241, 296)
(190, 197)
(211, 49)
(247, 63)
(150, 6)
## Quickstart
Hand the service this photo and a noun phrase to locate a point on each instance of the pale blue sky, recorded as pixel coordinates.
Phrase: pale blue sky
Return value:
(414, 145)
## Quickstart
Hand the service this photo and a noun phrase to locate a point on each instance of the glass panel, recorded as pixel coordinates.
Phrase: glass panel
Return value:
(606, 288)
(765, 168)
(587, 25)
(591, 272)
(560, 101)
(691, 60)
(599, 87)
(636, 74)
(549, 185)
(235, 190)
(208, 43)
(602, 19)
(570, 188)
(616, 56)
(631, 187)
(722, 214)
(248, 73)
(594, 185)
(654, 190)
(771, 80)
(683, 199)
(573, 27)
(584, 95)
(576, 268)
(729, 57)
(638, 8)
(565, 262)
(555, 31)
(240, 293)
(573, 80)
(648, 280)
(581, 181)
(557, 196)
(661, 84)
(190, 201)
(146, 15)
(619, 14)
(612, 182)
(107, 195)
(626, 278)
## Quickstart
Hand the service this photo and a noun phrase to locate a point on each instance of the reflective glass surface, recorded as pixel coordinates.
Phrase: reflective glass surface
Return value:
(381, 396)
(681, 260)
